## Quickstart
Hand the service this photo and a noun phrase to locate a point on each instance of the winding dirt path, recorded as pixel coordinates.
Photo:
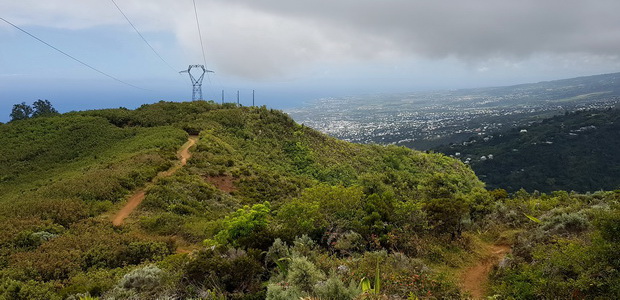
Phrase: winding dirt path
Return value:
(475, 279)
(183, 154)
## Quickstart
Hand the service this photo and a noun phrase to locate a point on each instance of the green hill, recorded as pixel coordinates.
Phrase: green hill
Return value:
(576, 151)
(264, 208)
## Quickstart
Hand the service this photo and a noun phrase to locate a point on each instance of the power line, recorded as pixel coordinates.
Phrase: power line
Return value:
(141, 36)
(202, 47)
(68, 55)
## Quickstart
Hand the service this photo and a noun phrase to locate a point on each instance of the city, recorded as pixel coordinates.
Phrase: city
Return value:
(426, 120)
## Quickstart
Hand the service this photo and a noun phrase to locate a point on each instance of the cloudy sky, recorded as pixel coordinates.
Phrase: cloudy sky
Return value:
(292, 51)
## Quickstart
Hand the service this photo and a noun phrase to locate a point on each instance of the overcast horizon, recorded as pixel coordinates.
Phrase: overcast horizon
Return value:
(291, 52)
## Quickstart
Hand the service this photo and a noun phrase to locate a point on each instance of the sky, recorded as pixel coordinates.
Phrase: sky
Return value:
(290, 51)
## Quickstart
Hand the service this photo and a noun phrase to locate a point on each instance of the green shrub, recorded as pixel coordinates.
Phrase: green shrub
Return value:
(30, 240)
(566, 223)
(167, 223)
(26, 290)
(446, 215)
(350, 242)
(138, 252)
(283, 291)
(225, 270)
(334, 289)
(92, 283)
(302, 278)
(142, 279)
(303, 274)
(609, 225)
(247, 227)
(292, 224)
(319, 208)
(400, 275)
(304, 246)
(103, 256)
(277, 251)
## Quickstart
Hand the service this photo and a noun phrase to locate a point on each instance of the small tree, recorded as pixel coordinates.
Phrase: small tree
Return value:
(445, 215)
(43, 108)
(38, 109)
(21, 111)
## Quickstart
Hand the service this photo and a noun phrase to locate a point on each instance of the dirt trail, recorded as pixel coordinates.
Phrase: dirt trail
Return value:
(475, 279)
(183, 154)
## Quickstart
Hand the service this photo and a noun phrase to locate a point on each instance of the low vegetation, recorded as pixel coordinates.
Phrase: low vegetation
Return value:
(267, 208)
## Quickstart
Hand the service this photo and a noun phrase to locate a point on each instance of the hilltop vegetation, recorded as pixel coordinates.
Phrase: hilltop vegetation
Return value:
(268, 208)
(575, 151)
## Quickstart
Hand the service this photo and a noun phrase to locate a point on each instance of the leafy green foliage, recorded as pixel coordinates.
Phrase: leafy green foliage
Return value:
(366, 286)
(43, 108)
(40, 108)
(323, 207)
(21, 111)
(247, 227)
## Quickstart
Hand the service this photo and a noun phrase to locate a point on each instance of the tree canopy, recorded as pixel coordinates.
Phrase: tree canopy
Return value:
(39, 108)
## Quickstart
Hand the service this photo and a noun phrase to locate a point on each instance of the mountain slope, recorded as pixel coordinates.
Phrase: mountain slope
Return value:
(576, 151)
(255, 179)
(269, 209)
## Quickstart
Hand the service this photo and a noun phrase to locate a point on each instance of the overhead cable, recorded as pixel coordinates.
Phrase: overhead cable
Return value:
(70, 56)
(142, 37)
(202, 47)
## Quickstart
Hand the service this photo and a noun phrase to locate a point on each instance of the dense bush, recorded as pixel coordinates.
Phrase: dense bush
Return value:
(26, 290)
(301, 278)
(568, 254)
(226, 270)
(247, 228)
(143, 279)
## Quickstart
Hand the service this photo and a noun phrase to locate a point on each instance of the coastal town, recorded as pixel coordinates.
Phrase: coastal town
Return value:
(426, 120)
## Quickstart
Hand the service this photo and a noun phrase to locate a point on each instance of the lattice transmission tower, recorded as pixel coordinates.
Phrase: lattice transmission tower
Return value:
(196, 83)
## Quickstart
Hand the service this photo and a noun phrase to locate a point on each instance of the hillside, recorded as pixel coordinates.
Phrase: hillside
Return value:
(266, 208)
(575, 151)
(64, 176)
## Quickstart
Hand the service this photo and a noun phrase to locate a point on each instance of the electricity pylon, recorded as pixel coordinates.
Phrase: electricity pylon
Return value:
(196, 83)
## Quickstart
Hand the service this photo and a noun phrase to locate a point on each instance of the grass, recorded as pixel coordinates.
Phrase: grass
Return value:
(44, 152)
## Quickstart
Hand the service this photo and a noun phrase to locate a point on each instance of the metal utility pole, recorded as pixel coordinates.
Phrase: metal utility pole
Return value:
(196, 83)
(237, 97)
(253, 98)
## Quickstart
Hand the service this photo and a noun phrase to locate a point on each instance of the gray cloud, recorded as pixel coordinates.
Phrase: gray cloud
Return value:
(271, 38)
(475, 28)
(475, 31)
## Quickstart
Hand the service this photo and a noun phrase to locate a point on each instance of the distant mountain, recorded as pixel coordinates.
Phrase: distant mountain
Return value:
(579, 89)
(426, 120)
(575, 151)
